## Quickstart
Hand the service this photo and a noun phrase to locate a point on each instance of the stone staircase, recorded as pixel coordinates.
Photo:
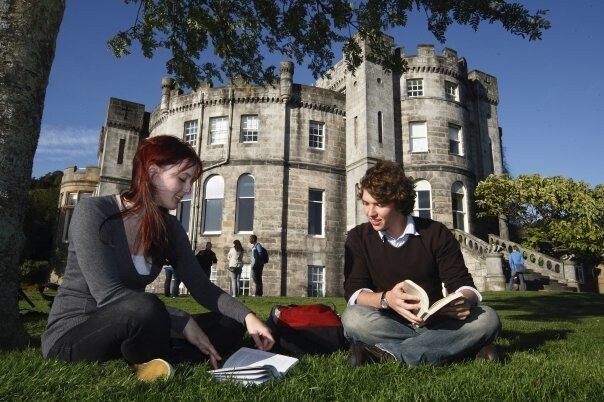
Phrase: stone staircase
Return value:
(488, 264)
(543, 272)
(537, 281)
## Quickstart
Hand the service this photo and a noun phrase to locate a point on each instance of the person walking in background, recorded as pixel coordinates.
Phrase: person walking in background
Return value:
(172, 283)
(257, 264)
(206, 258)
(118, 245)
(516, 260)
(235, 257)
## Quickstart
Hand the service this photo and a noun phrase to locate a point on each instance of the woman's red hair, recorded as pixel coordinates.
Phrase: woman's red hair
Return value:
(161, 150)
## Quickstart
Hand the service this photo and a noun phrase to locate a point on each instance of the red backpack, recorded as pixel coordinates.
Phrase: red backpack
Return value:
(307, 329)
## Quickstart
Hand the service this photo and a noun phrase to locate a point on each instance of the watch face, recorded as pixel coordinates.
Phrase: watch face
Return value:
(384, 303)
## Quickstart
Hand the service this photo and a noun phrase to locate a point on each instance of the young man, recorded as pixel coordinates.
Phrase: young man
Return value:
(206, 258)
(380, 320)
(257, 265)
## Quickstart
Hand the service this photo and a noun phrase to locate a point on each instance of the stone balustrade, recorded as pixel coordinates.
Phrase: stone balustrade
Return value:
(562, 271)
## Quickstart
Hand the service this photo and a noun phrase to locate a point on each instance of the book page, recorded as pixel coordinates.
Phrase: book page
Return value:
(443, 302)
(414, 289)
(247, 357)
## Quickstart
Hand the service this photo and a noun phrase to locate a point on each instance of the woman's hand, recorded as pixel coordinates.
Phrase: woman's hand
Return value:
(195, 335)
(259, 332)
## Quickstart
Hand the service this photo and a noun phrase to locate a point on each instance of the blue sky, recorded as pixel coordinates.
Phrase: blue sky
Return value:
(551, 91)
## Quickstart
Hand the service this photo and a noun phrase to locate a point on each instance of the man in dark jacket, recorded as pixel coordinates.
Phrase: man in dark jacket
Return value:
(206, 258)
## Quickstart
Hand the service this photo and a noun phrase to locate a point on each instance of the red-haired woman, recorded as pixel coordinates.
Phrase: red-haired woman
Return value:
(118, 245)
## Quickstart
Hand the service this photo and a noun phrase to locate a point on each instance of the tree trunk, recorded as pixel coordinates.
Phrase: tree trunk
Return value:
(29, 30)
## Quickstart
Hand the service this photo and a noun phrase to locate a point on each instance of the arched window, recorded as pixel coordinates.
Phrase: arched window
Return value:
(183, 213)
(423, 202)
(458, 205)
(212, 205)
(245, 204)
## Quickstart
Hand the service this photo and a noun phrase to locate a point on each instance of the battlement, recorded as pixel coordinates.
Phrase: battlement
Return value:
(74, 175)
(426, 60)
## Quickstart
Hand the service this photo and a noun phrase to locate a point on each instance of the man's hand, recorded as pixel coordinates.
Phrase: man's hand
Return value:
(195, 335)
(458, 309)
(403, 303)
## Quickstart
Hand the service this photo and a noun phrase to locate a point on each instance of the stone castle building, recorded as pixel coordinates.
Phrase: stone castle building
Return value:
(282, 161)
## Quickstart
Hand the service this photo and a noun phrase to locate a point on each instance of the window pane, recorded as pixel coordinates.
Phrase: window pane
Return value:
(315, 212)
(249, 128)
(245, 186)
(423, 199)
(245, 215)
(190, 134)
(316, 281)
(184, 212)
(218, 130)
(213, 215)
(418, 137)
(415, 87)
(316, 135)
(215, 187)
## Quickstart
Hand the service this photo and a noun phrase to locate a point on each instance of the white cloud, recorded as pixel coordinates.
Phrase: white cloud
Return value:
(60, 147)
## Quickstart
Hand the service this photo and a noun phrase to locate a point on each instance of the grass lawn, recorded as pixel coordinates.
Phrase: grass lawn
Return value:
(552, 344)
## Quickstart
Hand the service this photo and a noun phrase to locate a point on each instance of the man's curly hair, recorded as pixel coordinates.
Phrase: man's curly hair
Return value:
(386, 182)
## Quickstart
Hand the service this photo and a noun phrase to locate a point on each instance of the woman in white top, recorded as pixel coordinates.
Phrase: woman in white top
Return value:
(235, 257)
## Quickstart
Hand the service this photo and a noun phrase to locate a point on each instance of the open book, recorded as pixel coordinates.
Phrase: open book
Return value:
(426, 310)
(253, 366)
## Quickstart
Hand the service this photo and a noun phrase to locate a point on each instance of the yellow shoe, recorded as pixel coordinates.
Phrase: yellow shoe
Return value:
(153, 370)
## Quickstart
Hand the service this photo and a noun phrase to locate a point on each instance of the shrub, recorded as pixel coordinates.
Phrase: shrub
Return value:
(34, 271)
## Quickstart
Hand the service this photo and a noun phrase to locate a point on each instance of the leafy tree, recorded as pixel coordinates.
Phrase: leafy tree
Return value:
(236, 31)
(554, 214)
(241, 32)
(41, 216)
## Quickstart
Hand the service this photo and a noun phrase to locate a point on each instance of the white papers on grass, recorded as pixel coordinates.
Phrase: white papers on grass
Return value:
(252, 366)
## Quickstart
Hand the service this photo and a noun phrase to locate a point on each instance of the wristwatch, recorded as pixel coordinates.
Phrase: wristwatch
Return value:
(384, 302)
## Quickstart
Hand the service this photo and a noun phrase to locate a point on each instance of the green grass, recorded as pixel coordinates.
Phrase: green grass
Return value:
(552, 343)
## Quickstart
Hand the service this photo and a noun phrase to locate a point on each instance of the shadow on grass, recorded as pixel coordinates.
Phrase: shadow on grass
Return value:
(548, 307)
(525, 341)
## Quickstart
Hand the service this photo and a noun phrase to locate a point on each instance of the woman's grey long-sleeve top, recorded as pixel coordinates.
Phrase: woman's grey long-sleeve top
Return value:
(100, 271)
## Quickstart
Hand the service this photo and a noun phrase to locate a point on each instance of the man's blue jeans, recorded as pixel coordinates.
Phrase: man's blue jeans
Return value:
(521, 284)
(445, 341)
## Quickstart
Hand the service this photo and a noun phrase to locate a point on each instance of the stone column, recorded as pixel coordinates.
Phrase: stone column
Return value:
(495, 280)
(570, 274)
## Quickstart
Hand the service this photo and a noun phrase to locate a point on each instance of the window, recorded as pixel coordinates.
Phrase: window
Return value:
(423, 207)
(190, 134)
(212, 205)
(218, 130)
(316, 281)
(183, 212)
(418, 137)
(213, 274)
(120, 151)
(451, 92)
(315, 212)
(379, 123)
(245, 204)
(249, 128)
(455, 140)
(458, 206)
(316, 137)
(415, 87)
(244, 280)
(72, 199)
